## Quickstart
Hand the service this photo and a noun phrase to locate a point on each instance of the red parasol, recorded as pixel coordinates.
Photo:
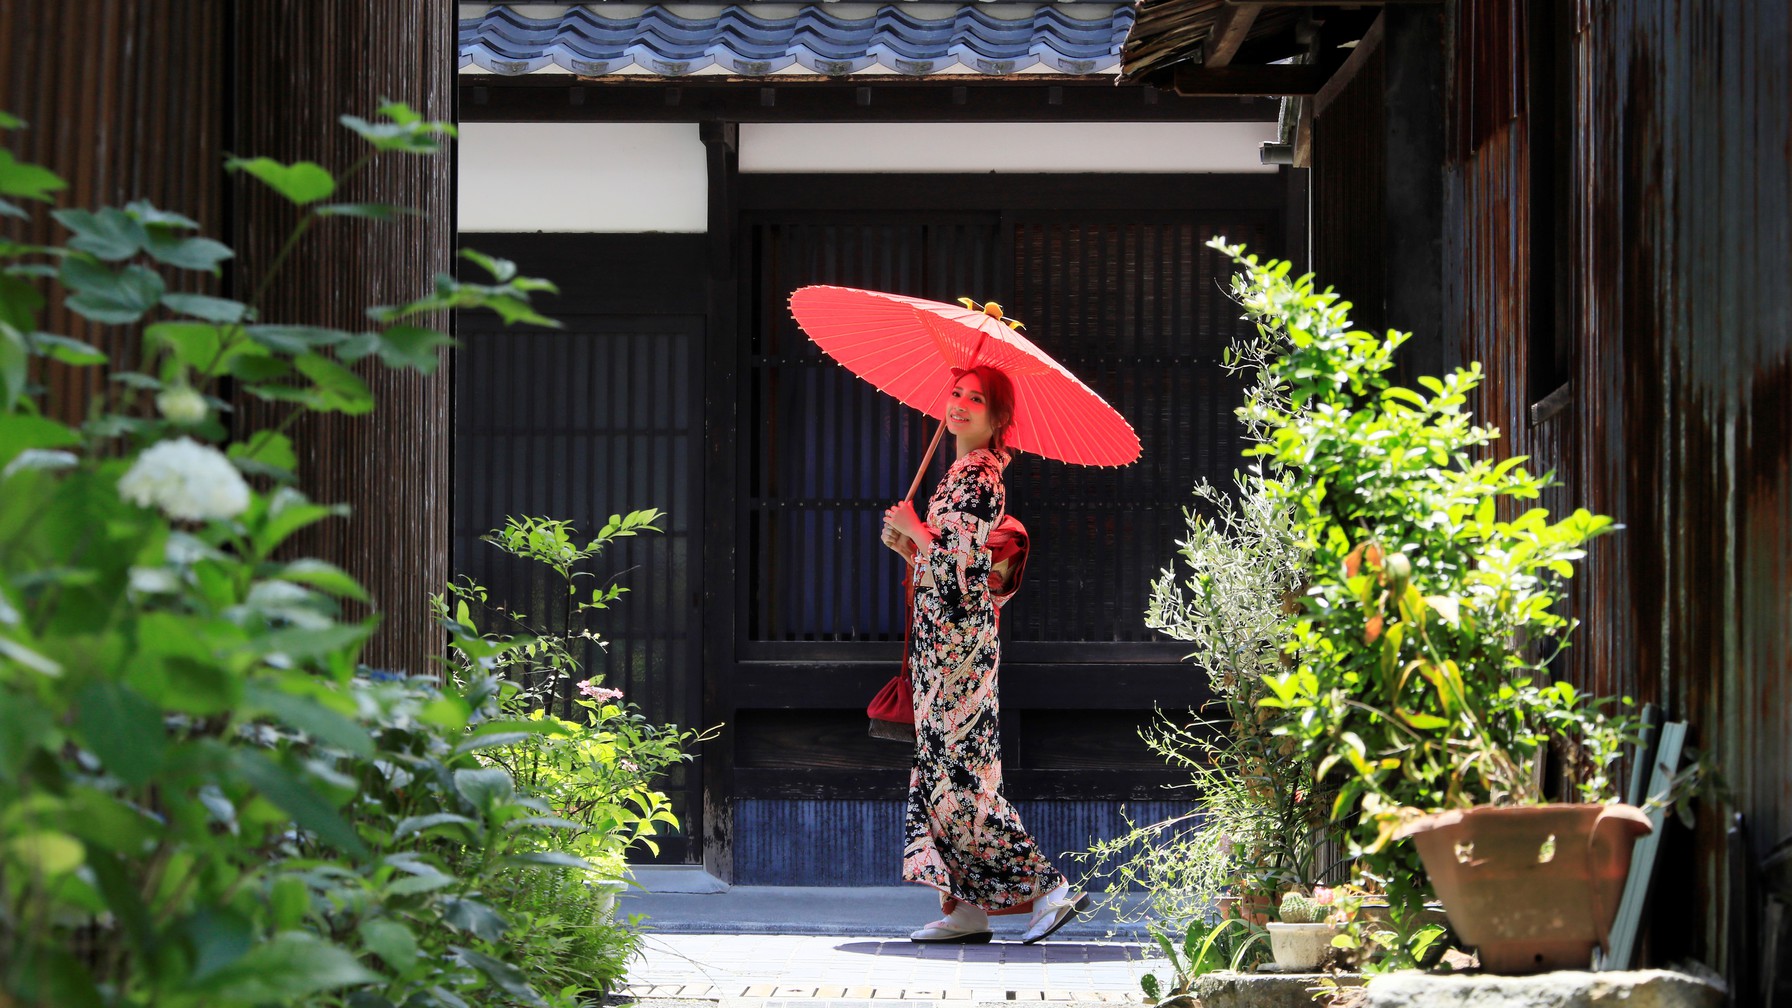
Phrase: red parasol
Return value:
(908, 347)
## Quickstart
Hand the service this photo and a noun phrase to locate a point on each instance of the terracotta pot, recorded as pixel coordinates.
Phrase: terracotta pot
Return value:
(1300, 947)
(1533, 888)
(1253, 908)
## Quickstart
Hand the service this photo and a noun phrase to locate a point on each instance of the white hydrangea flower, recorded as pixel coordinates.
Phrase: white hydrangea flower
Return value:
(181, 405)
(187, 480)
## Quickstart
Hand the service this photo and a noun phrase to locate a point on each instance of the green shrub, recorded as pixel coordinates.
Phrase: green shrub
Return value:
(1420, 676)
(202, 802)
(595, 772)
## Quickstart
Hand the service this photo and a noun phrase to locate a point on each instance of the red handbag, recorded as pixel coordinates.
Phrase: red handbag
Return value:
(892, 710)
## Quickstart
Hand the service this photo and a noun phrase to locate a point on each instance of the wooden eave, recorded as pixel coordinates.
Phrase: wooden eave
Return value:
(1246, 48)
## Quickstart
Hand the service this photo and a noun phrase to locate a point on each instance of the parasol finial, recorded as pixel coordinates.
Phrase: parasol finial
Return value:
(993, 310)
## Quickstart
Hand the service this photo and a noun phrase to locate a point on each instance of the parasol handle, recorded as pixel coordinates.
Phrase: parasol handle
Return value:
(925, 459)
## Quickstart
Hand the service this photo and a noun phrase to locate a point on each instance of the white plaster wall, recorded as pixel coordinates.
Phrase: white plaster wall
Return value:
(1004, 147)
(635, 177)
(584, 177)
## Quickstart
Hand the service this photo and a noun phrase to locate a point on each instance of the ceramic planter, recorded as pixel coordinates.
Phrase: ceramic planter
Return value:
(1300, 948)
(1532, 888)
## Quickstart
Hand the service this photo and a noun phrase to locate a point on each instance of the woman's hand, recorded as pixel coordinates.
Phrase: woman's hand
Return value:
(904, 519)
(903, 545)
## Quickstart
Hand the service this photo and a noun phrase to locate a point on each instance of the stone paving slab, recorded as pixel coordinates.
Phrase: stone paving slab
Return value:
(808, 971)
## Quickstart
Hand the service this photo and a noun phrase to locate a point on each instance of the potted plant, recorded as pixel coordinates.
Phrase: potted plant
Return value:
(1419, 682)
(1301, 941)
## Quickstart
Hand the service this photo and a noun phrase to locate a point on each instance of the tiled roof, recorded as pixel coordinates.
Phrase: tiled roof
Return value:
(602, 39)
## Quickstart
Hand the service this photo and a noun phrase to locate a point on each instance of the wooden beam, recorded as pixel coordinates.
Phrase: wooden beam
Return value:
(691, 99)
(1282, 80)
(1303, 134)
(1359, 56)
(1228, 33)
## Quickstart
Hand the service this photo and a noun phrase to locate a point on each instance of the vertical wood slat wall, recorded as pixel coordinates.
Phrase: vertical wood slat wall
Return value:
(1349, 198)
(123, 99)
(297, 67)
(131, 99)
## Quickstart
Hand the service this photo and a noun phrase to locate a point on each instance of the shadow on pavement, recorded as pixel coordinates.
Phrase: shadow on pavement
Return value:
(1000, 952)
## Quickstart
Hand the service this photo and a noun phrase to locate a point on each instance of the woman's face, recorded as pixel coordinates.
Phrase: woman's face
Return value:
(967, 411)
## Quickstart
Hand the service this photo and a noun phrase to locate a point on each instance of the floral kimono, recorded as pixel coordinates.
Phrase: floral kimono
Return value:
(963, 837)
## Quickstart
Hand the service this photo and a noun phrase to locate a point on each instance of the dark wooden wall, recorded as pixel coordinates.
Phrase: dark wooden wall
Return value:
(298, 65)
(1620, 264)
(117, 127)
(143, 98)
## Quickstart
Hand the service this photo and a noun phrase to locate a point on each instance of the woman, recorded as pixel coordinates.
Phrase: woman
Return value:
(963, 837)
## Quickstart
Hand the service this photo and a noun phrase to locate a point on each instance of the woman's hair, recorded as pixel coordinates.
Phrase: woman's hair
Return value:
(998, 395)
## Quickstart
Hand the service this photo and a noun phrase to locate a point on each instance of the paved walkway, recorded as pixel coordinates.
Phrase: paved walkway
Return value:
(777, 946)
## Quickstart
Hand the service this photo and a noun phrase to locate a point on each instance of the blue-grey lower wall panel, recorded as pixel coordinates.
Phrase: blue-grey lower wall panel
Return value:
(802, 842)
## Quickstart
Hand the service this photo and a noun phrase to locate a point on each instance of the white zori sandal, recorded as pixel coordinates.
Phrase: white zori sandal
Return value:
(965, 925)
(1054, 910)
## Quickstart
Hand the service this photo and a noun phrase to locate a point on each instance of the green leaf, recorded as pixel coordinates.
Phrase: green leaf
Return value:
(325, 576)
(287, 512)
(219, 938)
(132, 379)
(370, 211)
(26, 180)
(413, 346)
(428, 882)
(502, 270)
(257, 367)
(407, 132)
(64, 349)
(474, 918)
(357, 346)
(109, 234)
(310, 717)
(286, 970)
(124, 730)
(165, 221)
(485, 787)
(338, 388)
(203, 306)
(194, 344)
(122, 300)
(15, 366)
(266, 453)
(504, 976)
(187, 253)
(298, 799)
(303, 643)
(21, 432)
(295, 340)
(19, 302)
(422, 823)
(302, 182)
(46, 852)
(391, 941)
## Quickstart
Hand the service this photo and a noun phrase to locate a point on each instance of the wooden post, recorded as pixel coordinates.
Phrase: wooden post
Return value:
(718, 603)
